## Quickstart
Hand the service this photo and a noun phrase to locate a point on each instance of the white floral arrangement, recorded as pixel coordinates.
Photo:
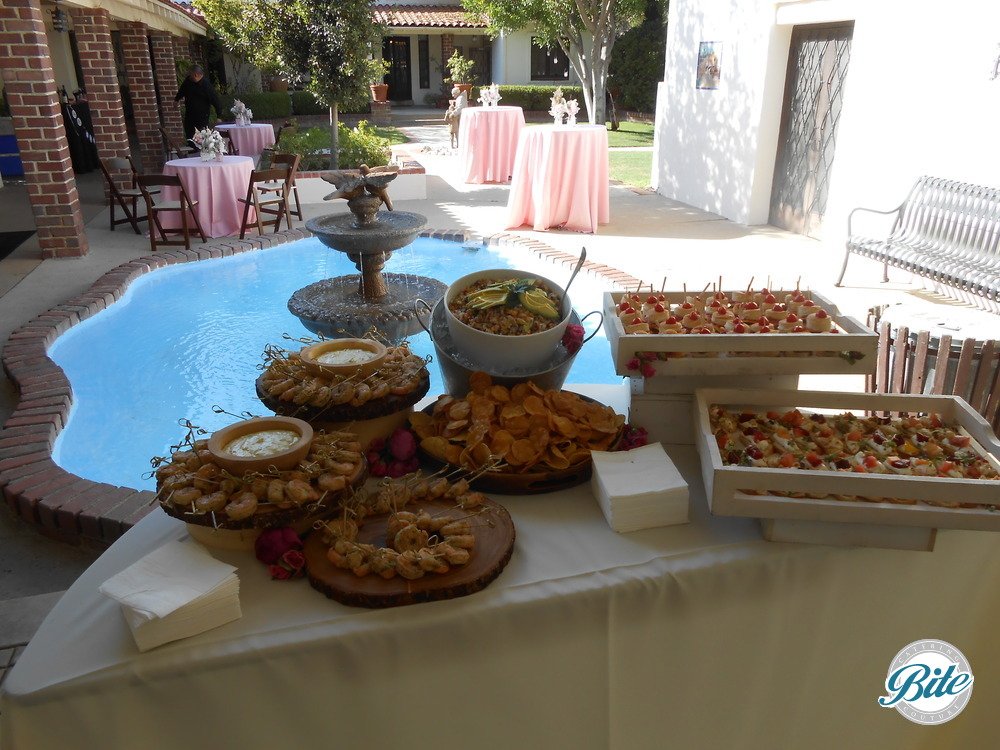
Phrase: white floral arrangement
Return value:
(210, 143)
(572, 110)
(241, 112)
(558, 109)
(490, 96)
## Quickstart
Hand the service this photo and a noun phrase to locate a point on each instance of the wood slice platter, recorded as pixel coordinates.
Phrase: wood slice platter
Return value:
(345, 412)
(494, 532)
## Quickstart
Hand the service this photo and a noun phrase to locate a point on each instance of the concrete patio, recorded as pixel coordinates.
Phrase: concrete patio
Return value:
(649, 237)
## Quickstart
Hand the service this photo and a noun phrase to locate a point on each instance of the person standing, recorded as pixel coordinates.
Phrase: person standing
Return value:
(199, 97)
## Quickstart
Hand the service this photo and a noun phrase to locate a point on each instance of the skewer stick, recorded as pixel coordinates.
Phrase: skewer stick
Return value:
(750, 285)
(663, 285)
(685, 287)
(798, 281)
(720, 282)
(706, 287)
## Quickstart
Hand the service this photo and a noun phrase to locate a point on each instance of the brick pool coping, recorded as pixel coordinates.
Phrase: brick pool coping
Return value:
(77, 510)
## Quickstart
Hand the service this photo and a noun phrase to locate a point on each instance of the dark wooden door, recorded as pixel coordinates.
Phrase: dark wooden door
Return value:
(814, 97)
(396, 49)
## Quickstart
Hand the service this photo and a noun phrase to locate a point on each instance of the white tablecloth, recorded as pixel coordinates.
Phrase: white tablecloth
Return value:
(696, 636)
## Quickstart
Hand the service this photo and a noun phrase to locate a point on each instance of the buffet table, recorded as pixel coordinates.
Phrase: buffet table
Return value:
(487, 142)
(692, 636)
(249, 139)
(560, 179)
(217, 186)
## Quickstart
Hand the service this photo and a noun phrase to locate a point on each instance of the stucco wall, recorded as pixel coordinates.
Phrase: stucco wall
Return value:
(918, 100)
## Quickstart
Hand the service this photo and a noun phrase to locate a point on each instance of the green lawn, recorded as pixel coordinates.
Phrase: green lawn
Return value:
(630, 134)
(394, 135)
(631, 167)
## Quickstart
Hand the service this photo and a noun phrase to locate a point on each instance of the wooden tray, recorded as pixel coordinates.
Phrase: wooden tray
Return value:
(741, 354)
(489, 556)
(723, 483)
(526, 482)
(345, 412)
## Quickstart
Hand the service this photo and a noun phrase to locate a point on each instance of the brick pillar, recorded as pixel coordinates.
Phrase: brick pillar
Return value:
(100, 79)
(146, 112)
(196, 51)
(26, 66)
(165, 70)
(447, 47)
(182, 50)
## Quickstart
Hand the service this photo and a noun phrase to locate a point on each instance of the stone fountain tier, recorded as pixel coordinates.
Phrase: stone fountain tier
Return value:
(387, 231)
(334, 308)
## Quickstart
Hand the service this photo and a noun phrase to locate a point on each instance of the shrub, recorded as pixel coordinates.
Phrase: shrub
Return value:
(361, 145)
(535, 98)
(304, 103)
(267, 105)
(637, 61)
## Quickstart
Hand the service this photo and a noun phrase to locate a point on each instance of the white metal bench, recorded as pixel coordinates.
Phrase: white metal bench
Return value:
(945, 231)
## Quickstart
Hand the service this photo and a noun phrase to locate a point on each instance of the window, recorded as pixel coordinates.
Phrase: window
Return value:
(548, 63)
(424, 60)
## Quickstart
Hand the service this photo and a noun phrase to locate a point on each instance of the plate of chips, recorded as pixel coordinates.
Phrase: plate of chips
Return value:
(517, 440)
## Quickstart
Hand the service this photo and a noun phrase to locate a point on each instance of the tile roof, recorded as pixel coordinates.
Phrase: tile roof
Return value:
(443, 16)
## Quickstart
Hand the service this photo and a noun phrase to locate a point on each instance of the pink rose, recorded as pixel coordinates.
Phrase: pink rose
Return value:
(273, 543)
(278, 573)
(396, 469)
(402, 444)
(373, 456)
(377, 445)
(378, 469)
(573, 338)
(634, 363)
(648, 370)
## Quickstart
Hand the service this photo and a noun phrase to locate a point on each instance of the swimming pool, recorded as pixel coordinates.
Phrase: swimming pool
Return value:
(190, 336)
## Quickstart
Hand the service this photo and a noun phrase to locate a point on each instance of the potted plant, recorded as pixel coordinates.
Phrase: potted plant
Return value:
(277, 83)
(461, 71)
(380, 89)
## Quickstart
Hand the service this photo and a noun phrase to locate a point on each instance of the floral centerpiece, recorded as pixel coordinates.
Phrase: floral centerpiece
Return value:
(242, 113)
(490, 96)
(210, 143)
(572, 110)
(558, 109)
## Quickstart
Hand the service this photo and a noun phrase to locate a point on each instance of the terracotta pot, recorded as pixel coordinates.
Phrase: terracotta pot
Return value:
(466, 87)
(310, 357)
(282, 460)
(277, 84)
(379, 92)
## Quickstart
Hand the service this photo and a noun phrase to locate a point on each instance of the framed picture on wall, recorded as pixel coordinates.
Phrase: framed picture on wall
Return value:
(708, 73)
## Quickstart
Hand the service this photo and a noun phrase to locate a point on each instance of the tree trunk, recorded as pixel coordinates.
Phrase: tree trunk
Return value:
(334, 137)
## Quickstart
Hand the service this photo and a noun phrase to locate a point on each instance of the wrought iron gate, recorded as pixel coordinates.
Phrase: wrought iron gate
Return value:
(814, 96)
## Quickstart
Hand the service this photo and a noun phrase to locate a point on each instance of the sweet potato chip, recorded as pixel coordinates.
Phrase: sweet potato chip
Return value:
(510, 411)
(442, 405)
(565, 426)
(479, 382)
(460, 410)
(435, 446)
(521, 452)
(518, 393)
(500, 394)
(453, 454)
(534, 405)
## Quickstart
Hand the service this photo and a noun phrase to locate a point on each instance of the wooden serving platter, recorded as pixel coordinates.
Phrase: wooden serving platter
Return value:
(344, 412)
(744, 354)
(494, 532)
(723, 484)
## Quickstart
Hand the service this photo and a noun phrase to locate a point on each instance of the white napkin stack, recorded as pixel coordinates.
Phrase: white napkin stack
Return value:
(639, 489)
(174, 592)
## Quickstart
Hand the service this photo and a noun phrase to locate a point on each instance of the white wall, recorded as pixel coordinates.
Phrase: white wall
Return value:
(918, 100)
(512, 61)
(62, 56)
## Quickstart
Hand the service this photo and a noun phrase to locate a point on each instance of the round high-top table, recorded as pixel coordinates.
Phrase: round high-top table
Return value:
(216, 185)
(487, 142)
(249, 139)
(560, 178)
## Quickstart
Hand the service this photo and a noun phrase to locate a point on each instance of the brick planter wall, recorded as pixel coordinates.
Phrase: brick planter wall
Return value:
(165, 70)
(139, 66)
(92, 27)
(67, 507)
(447, 47)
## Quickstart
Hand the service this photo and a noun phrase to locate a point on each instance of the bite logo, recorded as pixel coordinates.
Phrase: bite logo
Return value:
(929, 682)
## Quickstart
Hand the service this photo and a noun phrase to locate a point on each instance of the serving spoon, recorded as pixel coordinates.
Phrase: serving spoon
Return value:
(579, 265)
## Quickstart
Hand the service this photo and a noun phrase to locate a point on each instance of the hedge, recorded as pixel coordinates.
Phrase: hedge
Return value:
(304, 103)
(535, 98)
(360, 145)
(268, 105)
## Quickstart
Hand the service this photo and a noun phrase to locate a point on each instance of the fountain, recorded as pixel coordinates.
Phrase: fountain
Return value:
(349, 306)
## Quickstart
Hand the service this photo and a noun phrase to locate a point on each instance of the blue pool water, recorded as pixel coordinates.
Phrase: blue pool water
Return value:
(190, 336)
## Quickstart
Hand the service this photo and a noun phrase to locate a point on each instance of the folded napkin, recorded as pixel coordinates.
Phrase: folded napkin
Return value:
(639, 489)
(176, 591)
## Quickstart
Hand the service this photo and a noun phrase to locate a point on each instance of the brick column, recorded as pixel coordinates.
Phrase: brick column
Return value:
(165, 70)
(447, 47)
(182, 51)
(26, 66)
(146, 112)
(100, 79)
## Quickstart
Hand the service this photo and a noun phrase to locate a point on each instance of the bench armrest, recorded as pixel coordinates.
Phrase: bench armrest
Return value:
(850, 218)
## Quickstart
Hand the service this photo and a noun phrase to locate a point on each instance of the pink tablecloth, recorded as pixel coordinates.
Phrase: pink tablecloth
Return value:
(560, 178)
(216, 185)
(487, 141)
(249, 139)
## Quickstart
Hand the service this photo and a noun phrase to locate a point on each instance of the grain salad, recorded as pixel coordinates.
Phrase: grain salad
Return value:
(513, 318)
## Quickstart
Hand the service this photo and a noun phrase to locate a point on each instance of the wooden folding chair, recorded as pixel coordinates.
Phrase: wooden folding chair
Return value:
(230, 146)
(126, 198)
(290, 127)
(175, 150)
(291, 161)
(183, 205)
(267, 194)
(921, 365)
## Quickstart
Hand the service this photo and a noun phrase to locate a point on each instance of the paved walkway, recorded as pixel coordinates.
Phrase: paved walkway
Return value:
(649, 237)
